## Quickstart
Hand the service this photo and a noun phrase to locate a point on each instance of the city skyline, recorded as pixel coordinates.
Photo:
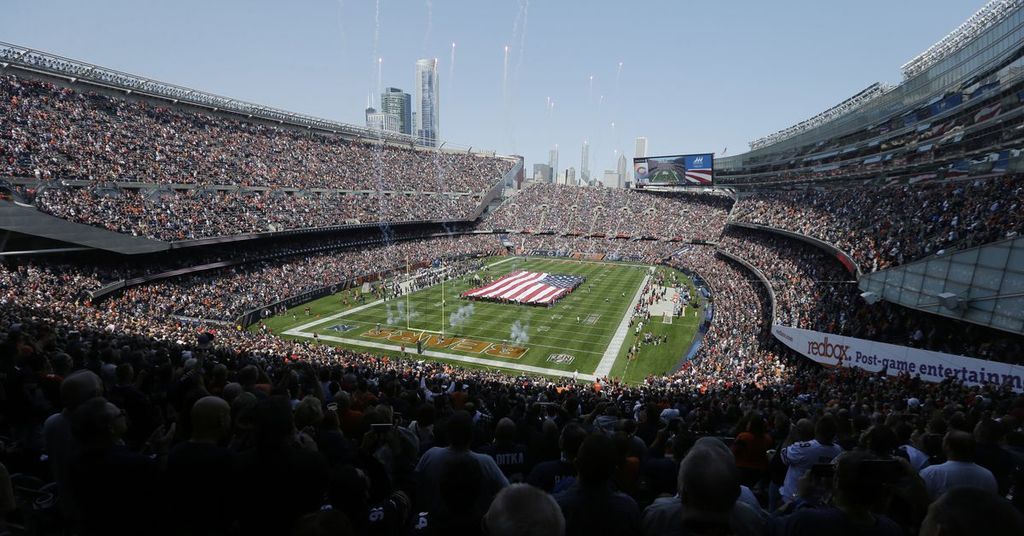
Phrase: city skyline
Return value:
(507, 79)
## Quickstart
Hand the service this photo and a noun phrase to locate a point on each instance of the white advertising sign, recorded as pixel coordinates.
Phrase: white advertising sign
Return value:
(836, 350)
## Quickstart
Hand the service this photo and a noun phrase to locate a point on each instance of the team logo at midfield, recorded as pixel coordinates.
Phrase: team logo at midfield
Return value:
(341, 327)
(561, 359)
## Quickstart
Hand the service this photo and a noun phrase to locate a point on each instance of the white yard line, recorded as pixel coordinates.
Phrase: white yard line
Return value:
(503, 261)
(450, 357)
(333, 317)
(604, 368)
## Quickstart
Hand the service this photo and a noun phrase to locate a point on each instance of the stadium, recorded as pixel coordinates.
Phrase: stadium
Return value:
(221, 318)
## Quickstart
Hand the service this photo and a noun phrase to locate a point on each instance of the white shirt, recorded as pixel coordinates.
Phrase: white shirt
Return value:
(940, 478)
(918, 460)
(800, 457)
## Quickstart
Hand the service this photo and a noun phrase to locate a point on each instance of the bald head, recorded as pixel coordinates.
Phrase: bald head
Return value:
(211, 419)
(78, 387)
(804, 430)
(523, 510)
(505, 432)
(708, 478)
(231, 391)
(958, 446)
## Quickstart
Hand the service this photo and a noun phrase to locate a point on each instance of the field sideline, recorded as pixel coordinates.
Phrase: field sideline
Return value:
(586, 334)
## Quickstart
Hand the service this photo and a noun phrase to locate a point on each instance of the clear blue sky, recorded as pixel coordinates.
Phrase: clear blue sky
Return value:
(696, 76)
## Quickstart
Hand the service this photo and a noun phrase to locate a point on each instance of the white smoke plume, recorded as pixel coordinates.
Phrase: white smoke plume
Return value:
(460, 316)
(520, 333)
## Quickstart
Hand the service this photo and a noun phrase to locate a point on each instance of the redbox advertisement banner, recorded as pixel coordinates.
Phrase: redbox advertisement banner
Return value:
(836, 350)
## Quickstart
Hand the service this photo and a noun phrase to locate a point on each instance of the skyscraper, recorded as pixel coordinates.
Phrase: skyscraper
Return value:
(610, 179)
(394, 101)
(381, 121)
(585, 163)
(641, 147)
(553, 161)
(542, 173)
(622, 171)
(427, 117)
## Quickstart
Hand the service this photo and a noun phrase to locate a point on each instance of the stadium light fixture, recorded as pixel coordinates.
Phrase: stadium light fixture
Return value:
(870, 298)
(864, 96)
(983, 19)
(989, 15)
(953, 302)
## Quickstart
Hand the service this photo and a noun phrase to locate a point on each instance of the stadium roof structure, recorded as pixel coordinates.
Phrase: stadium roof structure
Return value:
(75, 71)
(989, 15)
(865, 95)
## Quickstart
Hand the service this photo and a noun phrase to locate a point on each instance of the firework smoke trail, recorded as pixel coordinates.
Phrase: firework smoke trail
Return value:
(590, 89)
(524, 7)
(451, 70)
(379, 169)
(376, 32)
(504, 76)
(551, 116)
(380, 75)
(430, 23)
(515, 23)
(341, 18)
(618, 73)
(439, 182)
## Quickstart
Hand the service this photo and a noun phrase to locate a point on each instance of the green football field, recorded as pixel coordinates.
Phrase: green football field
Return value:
(665, 175)
(576, 335)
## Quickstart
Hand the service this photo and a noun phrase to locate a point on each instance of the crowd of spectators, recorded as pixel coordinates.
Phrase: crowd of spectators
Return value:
(945, 137)
(902, 223)
(650, 251)
(173, 215)
(738, 339)
(155, 426)
(225, 294)
(120, 417)
(612, 212)
(814, 291)
(59, 133)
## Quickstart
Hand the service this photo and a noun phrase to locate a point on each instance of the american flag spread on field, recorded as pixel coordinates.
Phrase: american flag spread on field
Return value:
(526, 287)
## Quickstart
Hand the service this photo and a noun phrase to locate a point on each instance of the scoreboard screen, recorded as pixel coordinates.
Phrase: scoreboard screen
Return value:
(677, 170)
